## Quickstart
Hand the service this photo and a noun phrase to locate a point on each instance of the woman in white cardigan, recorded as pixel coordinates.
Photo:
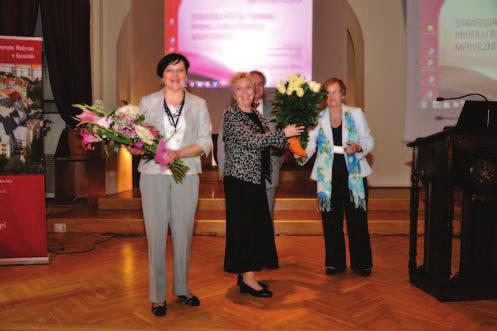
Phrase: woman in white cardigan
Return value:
(342, 140)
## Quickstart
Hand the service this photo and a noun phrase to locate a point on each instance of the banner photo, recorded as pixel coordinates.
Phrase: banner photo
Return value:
(21, 97)
(23, 232)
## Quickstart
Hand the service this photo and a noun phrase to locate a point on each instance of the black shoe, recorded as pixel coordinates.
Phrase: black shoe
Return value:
(239, 280)
(159, 309)
(332, 270)
(365, 272)
(193, 300)
(264, 293)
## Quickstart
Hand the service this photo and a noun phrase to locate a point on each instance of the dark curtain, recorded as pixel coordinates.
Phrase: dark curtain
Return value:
(18, 17)
(66, 33)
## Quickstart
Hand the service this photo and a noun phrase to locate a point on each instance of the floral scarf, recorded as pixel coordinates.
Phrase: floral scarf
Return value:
(325, 166)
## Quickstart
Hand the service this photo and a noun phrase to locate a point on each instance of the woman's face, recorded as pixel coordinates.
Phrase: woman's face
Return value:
(335, 96)
(243, 92)
(174, 76)
(259, 86)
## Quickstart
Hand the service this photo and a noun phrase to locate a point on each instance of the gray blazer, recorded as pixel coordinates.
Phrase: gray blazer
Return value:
(198, 127)
(276, 153)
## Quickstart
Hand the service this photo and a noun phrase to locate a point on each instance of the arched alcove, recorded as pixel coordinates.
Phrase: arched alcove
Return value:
(339, 47)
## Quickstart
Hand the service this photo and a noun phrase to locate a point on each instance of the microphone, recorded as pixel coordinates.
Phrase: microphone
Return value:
(467, 95)
(462, 96)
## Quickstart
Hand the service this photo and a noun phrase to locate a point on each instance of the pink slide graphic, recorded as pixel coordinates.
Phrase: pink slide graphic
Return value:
(222, 37)
(204, 66)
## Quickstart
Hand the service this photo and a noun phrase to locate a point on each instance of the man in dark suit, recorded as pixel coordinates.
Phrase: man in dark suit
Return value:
(264, 107)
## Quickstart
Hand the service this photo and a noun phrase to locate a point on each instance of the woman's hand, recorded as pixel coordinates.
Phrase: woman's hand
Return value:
(293, 130)
(352, 147)
(174, 154)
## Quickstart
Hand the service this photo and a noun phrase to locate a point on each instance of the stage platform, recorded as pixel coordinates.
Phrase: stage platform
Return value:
(296, 210)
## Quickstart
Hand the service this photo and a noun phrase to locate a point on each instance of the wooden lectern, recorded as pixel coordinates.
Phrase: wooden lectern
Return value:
(463, 157)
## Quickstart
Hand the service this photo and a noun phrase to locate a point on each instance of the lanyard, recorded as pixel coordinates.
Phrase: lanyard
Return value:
(174, 119)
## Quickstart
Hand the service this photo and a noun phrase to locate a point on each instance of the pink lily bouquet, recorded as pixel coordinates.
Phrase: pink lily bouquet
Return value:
(126, 126)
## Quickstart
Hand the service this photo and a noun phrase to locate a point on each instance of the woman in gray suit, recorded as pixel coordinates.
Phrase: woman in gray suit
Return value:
(183, 119)
(250, 243)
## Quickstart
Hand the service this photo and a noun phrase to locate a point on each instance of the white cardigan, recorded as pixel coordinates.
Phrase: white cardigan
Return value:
(366, 141)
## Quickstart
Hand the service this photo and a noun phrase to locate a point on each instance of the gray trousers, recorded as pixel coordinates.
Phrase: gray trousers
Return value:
(270, 191)
(168, 204)
(276, 162)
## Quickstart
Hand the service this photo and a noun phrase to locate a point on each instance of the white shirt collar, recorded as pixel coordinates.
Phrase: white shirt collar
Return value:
(260, 107)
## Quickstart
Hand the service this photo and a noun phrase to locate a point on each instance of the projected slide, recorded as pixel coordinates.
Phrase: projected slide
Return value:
(221, 37)
(452, 50)
(468, 47)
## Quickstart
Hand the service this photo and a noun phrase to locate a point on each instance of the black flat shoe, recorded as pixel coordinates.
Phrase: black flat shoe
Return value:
(365, 272)
(246, 289)
(239, 280)
(159, 309)
(193, 301)
(333, 271)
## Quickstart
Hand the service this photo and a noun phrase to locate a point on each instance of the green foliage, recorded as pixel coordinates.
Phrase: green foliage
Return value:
(298, 102)
(15, 166)
(292, 109)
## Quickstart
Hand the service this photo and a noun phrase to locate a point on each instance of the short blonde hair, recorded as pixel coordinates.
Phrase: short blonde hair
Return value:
(241, 75)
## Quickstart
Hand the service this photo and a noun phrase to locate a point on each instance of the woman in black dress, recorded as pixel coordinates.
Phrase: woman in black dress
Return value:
(250, 242)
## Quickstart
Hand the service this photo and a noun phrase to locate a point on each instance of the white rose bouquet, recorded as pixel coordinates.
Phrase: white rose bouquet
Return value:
(297, 101)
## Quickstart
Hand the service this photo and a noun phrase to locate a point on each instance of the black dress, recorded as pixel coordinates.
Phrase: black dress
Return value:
(250, 242)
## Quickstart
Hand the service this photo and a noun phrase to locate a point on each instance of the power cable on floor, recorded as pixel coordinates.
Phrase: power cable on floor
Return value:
(110, 235)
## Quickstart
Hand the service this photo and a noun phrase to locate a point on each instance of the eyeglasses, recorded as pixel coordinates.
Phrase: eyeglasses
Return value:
(174, 71)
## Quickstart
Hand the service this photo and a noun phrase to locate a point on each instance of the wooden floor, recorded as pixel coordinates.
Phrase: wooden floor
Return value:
(107, 289)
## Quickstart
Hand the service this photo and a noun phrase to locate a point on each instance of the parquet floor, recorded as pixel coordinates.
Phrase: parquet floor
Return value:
(106, 289)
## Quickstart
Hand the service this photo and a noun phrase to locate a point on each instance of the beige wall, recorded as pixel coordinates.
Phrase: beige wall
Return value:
(124, 55)
(147, 43)
(333, 22)
(373, 68)
(383, 28)
(107, 25)
(107, 22)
